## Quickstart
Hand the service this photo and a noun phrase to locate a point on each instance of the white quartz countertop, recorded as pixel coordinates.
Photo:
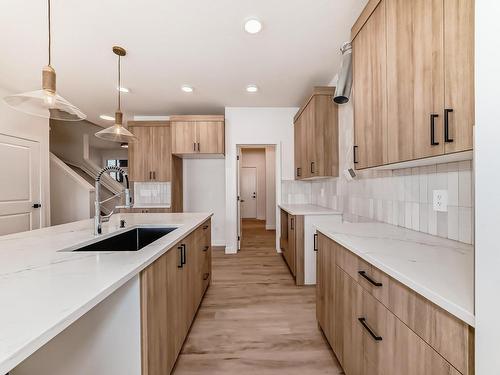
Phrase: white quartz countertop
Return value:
(43, 290)
(439, 269)
(307, 209)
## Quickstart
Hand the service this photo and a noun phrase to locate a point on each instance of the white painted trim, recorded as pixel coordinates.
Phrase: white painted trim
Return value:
(270, 227)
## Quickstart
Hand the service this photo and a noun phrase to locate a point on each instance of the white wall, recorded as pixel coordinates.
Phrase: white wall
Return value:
(17, 124)
(204, 191)
(72, 196)
(249, 126)
(270, 188)
(487, 160)
(256, 158)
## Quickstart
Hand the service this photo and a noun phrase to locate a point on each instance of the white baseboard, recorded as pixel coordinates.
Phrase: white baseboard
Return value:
(270, 227)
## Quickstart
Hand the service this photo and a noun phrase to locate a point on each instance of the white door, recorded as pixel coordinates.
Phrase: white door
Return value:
(248, 193)
(19, 185)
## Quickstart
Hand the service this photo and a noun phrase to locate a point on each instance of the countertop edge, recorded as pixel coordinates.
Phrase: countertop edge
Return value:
(299, 212)
(442, 302)
(32, 346)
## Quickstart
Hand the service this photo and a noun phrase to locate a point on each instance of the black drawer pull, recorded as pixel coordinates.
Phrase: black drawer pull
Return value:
(354, 156)
(433, 125)
(312, 167)
(181, 257)
(372, 334)
(206, 248)
(183, 253)
(315, 241)
(205, 227)
(291, 224)
(206, 276)
(299, 171)
(373, 282)
(447, 125)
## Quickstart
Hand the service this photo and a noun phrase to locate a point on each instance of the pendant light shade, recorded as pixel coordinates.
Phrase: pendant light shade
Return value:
(46, 102)
(117, 132)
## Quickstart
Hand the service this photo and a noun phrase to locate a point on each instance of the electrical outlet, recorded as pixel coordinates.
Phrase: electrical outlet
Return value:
(440, 200)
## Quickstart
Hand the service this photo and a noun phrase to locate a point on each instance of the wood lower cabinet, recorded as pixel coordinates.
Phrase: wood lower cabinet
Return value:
(171, 291)
(197, 135)
(316, 136)
(376, 325)
(292, 244)
(413, 80)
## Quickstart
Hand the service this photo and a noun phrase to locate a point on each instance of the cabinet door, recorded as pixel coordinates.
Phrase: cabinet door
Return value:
(299, 144)
(291, 251)
(210, 137)
(184, 137)
(370, 91)
(400, 84)
(310, 138)
(139, 154)
(428, 77)
(459, 73)
(325, 285)
(283, 231)
(161, 153)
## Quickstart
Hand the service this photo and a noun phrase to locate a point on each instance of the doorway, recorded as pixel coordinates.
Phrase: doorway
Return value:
(256, 185)
(20, 188)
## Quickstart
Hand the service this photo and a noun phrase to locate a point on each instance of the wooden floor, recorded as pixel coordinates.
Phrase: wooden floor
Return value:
(254, 320)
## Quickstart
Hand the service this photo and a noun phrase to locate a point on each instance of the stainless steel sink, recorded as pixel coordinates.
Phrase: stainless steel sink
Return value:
(132, 240)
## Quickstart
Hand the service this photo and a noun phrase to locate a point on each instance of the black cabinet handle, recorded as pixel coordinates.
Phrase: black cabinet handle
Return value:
(291, 223)
(370, 280)
(198, 146)
(181, 257)
(447, 125)
(37, 205)
(183, 253)
(372, 334)
(206, 248)
(299, 171)
(355, 154)
(312, 167)
(206, 276)
(315, 241)
(150, 175)
(433, 126)
(205, 227)
(194, 146)
(154, 175)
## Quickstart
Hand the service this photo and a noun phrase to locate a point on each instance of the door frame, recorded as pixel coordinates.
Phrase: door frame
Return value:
(277, 178)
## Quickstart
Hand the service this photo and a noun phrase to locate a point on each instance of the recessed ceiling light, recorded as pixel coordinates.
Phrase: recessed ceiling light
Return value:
(123, 89)
(252, 88)
(107, 118)
(253, 26)
(187, 88)
(124, 145)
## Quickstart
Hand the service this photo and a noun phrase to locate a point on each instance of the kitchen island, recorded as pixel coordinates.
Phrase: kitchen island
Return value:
(45, 289)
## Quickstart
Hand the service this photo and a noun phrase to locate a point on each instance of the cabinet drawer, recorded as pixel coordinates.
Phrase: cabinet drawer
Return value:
(391, 348)
(448, 335)
(370, 278)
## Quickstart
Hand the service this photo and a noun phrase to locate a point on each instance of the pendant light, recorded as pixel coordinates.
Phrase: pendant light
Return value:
(46, 103)
(117, 133)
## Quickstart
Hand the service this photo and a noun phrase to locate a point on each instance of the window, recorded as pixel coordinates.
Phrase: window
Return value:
(117, 163)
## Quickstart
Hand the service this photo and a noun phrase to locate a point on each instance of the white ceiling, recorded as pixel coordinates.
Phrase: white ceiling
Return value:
(171, 43)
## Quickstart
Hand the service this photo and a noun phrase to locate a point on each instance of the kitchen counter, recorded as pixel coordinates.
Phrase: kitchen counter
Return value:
(44, 290)
(439, 269)
(307, 209)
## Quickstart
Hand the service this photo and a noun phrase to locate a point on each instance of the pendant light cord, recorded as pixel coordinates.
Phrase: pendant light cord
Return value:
(119, 83)
(50, 35)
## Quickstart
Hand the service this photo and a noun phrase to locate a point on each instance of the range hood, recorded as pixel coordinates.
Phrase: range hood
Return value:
(344, 82)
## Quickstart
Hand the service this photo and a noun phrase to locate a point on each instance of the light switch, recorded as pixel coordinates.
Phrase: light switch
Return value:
(440, 200)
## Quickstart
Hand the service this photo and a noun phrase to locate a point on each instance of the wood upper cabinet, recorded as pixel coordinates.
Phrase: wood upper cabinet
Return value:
(413, 71)
(370, 91)
(316, 136)
(150, 158)
(193, 135)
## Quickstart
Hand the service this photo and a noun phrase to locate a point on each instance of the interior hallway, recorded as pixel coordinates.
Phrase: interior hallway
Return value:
(254, 320)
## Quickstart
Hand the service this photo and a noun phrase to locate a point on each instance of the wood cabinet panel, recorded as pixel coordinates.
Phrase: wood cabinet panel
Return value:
(184, 137)
(459, 72)
(210, 137)
(161, 153)
(370, 91)
(139, 159)
(316, 136)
